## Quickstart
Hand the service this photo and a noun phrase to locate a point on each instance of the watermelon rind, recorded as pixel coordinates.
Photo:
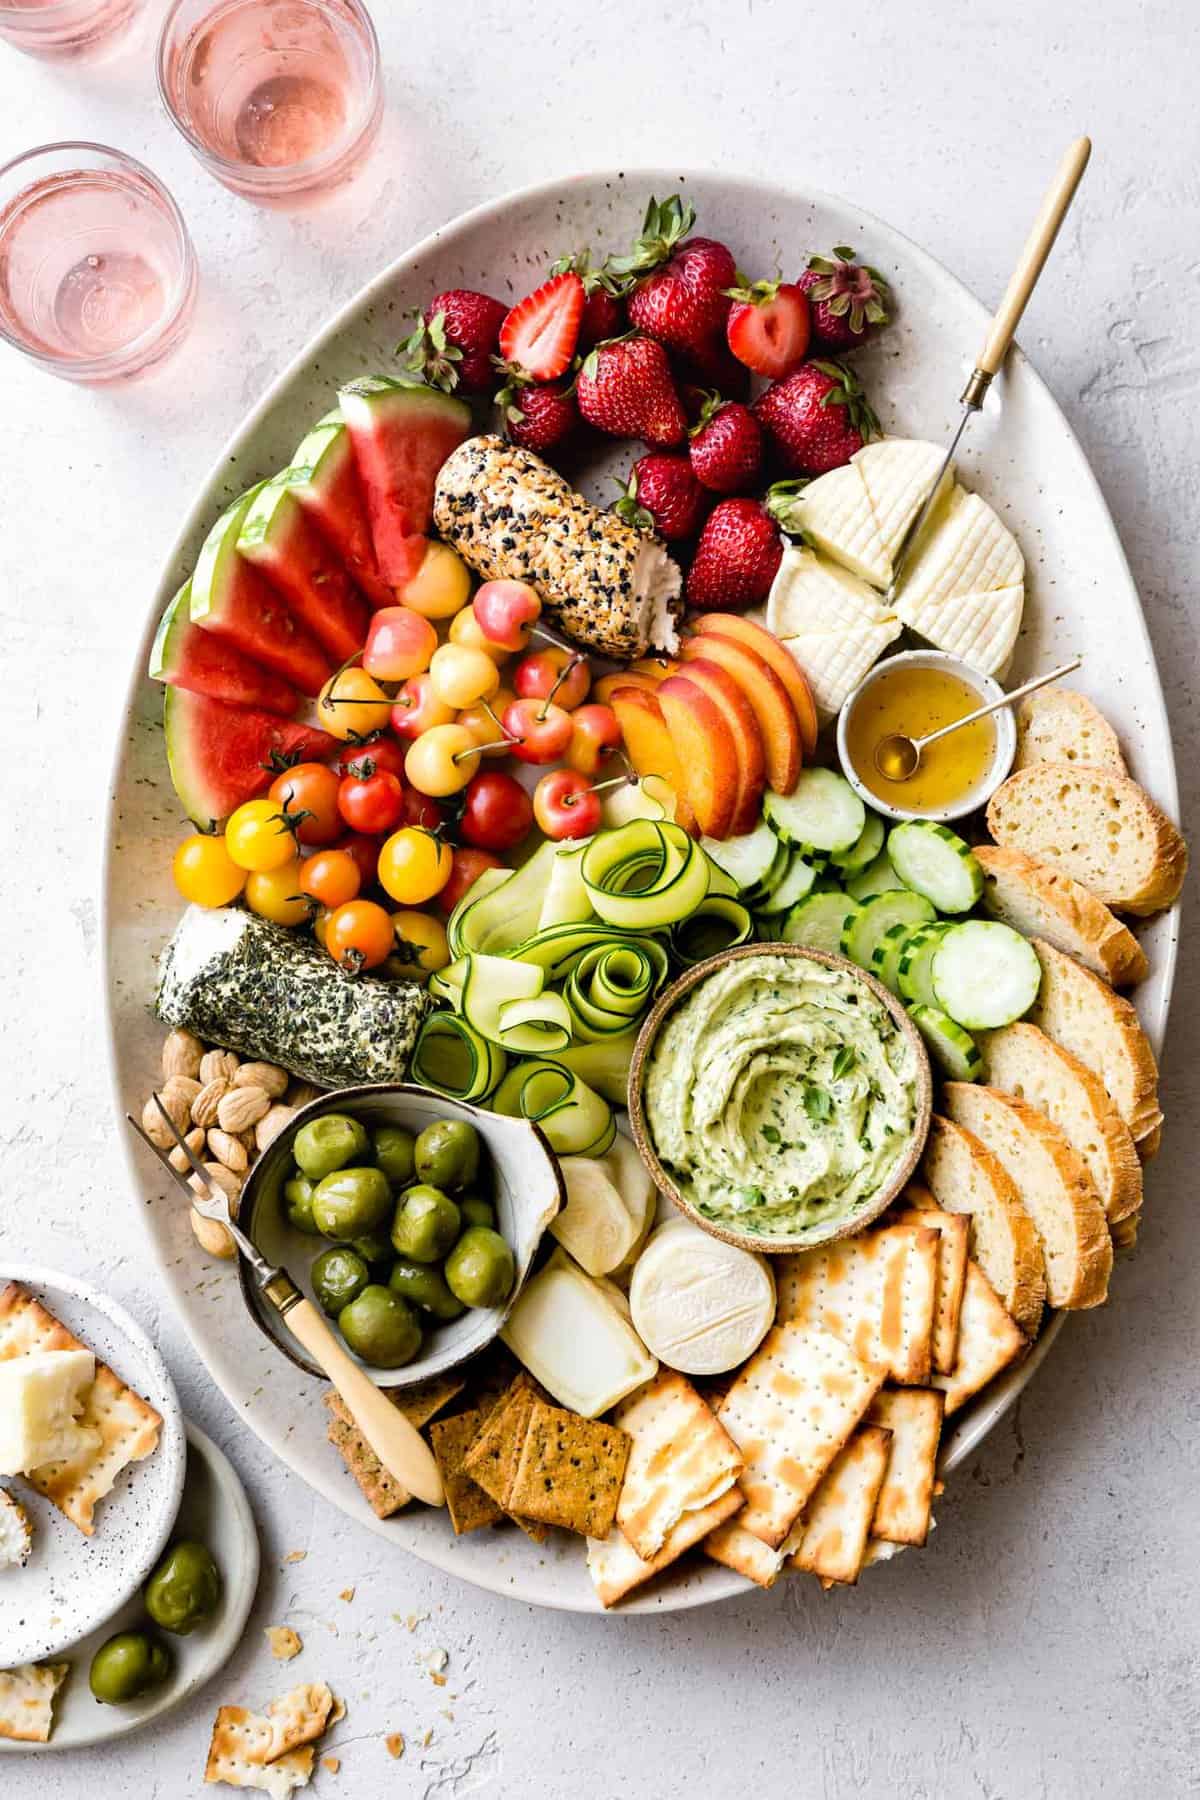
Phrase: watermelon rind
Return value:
(402, 433)
(184, 656)
(232, 599)
(220, 755)
(328, 487)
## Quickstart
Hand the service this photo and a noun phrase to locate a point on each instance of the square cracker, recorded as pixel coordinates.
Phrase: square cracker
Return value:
(914, 1418)
(419, 1404)
(261, 1740)
(27, 1701)
(570, 1471)
(493, 1459)
(616, 1568)
(830, 1537)
(791, 1409)
(876, 1292)
(988, 1341)
(450, 1439)
(680, 1461)
(738, 1549)
(955, 1230)
(128, 1427)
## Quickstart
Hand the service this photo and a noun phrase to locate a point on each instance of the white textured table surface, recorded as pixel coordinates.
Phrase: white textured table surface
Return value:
(1046, 1643)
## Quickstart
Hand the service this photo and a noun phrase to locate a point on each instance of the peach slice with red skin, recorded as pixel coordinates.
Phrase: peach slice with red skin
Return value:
(778, 658)
(607, 685)
(738, 715)
(768, 697)
(706, 752)
(649, 744)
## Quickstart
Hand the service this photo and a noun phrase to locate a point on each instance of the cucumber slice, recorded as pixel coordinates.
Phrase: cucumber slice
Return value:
(611, 985)
(878, 877)
(796, 885)
(985, 974)
(934, 861)
(885, 962)
(953, 1049)
(748, 859)
(822, 810)
(868, 928)
(819, 921)
(916, 959)
(864, 849)
(719, 880)
(485, 883)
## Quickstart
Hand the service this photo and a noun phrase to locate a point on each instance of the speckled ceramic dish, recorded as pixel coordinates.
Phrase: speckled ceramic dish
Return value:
(1022, 457)
(72, 1583)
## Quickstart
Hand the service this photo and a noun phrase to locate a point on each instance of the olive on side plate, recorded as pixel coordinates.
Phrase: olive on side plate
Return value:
(297, 1204)
(424, 1285)
(329, 1143)
(447, 1154)
(338, 1276)
(479, 1270)
(351, 1202)
(426, 1225)
(127, 1666)
(381, 1328)
(393, 1148)
(185, 1589)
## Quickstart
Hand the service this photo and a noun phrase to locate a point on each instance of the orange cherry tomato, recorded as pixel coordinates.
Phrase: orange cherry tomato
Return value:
(331, 876)
(359, 935)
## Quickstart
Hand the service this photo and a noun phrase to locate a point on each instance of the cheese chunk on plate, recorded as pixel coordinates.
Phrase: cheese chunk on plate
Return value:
(570, 1335)
(964, 587)
(859, 514)
(40, 1395)
(834, 625)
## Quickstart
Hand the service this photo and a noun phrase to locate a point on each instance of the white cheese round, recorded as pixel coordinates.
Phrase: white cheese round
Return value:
(702, 1306)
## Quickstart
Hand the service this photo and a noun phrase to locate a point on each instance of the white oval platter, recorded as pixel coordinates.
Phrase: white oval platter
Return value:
(1021, 455)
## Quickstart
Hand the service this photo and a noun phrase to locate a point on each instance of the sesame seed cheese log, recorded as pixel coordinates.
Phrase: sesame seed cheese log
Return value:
(512, 517)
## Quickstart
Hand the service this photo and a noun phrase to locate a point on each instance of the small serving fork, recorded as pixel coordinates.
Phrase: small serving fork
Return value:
(398, 1445)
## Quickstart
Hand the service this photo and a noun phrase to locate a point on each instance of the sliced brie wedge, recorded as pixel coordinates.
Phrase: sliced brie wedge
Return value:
(570, 1334)
(702, 1306)
(835, 514)
(834, 625)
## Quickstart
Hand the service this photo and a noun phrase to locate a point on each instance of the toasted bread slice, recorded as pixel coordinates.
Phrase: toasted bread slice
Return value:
(1023, 1061)
(1083, 1014)
(964, 1176)
(1059, 725)
(1055, 1188)
(1043, 902)
(1150, 1145)
(1097, 826)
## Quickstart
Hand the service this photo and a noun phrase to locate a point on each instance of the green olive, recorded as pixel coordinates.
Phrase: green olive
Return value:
(128, 1665)
(374, 1247)
(351, 1202)
(425, 1287)
(338, 1276)
(479, 1270)
(185, 1589)
(297, 1204)
(447, 1154)
(476, 1210)
(393, 1148)
(329, 1143)
(381, 1328)
(426, 1224)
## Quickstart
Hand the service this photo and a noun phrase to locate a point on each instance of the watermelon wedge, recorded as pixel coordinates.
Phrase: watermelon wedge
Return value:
(232, 600)
(327, 487)
(402, 434)
(281, 541)
(184, 656)
(220, 755)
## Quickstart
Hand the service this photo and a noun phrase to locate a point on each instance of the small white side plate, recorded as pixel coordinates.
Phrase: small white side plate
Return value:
(215, 1512)
(72, 1583)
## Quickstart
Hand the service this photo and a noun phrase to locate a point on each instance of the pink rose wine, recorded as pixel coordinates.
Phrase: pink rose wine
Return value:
(279, 99)
(97, 274)
(61, 28)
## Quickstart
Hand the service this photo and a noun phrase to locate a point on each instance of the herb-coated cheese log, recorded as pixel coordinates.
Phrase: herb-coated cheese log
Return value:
(512, 517)
(241, 982)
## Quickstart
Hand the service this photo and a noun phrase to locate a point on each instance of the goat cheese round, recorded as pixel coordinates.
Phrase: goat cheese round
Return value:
(701, 1305)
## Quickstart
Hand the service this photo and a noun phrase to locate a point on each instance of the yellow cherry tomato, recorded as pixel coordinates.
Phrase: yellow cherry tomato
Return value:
(352, 704)
(460, 676)
(256, 836)
(442, 761)
(420, 944)
(204, 871)
(440, 586)
(466, 630)
(414, 865)
(275, 894)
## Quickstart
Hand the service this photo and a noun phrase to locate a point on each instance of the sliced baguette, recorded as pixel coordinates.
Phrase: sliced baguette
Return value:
(1082, 1013)
(964, 1176)
(1099, 827)
(1055, 1188)
(1021, 1060)
(1042, 902)
(1151, 1144)
(1059, 725)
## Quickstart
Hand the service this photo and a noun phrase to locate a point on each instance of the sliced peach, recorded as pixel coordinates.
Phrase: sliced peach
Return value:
(706, 752)
(624, 678)
(764, 643)
(738, 715)
(649, 744)
(656, 667)
(767, 695)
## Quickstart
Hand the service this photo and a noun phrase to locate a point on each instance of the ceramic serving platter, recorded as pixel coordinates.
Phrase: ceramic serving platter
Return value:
(72, 1583)
(1021, 455)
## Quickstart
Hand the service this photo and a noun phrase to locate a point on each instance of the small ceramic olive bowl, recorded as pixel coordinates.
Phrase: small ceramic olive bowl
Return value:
(527, 1192)
(815, 1234)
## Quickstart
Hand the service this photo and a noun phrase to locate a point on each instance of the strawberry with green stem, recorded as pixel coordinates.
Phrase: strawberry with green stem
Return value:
(663, 495)
(625, 388)
(725, 446)
(679, 294)
(849, 300)
(816, 418)
(454, 340)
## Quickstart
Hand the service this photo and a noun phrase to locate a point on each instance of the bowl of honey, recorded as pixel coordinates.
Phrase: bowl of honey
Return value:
(913, 694)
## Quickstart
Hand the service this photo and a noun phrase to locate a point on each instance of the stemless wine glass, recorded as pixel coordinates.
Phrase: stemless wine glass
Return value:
(60, 28)
(97, 272)
(279, 99)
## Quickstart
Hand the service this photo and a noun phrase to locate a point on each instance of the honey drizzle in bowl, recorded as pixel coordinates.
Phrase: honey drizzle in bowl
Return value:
(914, 701)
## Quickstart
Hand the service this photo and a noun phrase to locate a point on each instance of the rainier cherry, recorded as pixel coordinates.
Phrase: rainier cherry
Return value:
(566, 805)
(505, 610)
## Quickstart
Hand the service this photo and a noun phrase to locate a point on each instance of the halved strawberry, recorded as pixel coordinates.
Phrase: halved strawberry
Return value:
(768, 327)
(539, 335)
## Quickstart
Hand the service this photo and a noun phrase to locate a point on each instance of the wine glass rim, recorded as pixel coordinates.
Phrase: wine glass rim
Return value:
(112, 361)
(281, 177)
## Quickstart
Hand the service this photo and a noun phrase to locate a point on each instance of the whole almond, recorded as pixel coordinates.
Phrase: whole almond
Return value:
(271, 1124)
(242, 1107)
(181, 1087)
(204, 1106)
(218, 1065)
(213, 1237)
(182, 1054)
(178, 1110)
(228, 1150)
(221, 1177)
(268, 1076)
(300, 1093)
(195, 1143)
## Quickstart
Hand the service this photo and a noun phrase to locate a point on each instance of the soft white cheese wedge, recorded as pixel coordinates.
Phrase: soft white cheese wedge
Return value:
(981, 628)
(595, 1226)
(570, 1335)
(897, 474)
(834, 625)
(964, 549)
(835, 514)
(701, 1305)
(40, 1395)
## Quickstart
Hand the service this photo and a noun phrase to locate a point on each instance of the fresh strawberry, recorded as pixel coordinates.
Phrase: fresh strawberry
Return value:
(726, 446)
(680, 298)
(714, 367)
(625, 388)
(848, 299)
(736, 558)
(603, 313)
(455, 339)
(539, 335)
(538, 416)
(768, 327)
(815, 418)
(664, 496)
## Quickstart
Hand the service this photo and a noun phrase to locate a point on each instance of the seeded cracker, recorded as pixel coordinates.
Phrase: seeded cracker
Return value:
(419, 1404)
(570, 1471)
(469, 1507)
(494, 1457)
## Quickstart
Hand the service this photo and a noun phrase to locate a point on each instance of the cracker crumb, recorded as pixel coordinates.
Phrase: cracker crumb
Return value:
(415, 1619)
(332, 1763)
(437, 1680)
(438, 1660)
(427, 1739)
(395, 1744)
(295, 1556)
(347, 1594)
(337, 1711)
(285, 1643)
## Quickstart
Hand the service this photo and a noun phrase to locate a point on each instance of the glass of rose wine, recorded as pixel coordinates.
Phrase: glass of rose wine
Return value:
(279, 99)
(62, 28)
(97, 272)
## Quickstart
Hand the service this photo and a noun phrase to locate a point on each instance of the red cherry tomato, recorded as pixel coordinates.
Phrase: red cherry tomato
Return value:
(382, 751)
(359, 935)
(540, 730)
(309, 789)
(365, 851)
(421, 809)
(467, 866)
(497, 812)
(566, 805)
(373, 804)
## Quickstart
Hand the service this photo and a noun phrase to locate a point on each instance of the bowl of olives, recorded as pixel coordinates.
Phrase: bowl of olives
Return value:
(409, 1218)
